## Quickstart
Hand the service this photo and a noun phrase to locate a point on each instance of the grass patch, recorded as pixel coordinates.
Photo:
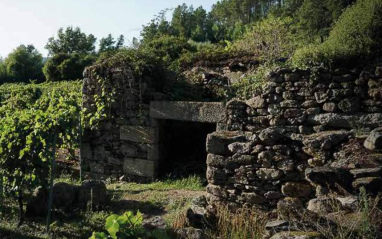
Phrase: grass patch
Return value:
(168, 199)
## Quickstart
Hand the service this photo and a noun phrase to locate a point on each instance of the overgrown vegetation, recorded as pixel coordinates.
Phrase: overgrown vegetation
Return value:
(168, 199)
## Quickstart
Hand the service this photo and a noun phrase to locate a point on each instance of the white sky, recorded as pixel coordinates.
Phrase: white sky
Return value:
(35, 21)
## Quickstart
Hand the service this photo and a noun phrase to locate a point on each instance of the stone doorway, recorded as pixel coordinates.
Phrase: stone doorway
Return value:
(184, 148)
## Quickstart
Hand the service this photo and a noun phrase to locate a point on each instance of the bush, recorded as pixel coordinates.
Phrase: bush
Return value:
(356, 35)
(166, 49)
(269, 39)
(64, 66)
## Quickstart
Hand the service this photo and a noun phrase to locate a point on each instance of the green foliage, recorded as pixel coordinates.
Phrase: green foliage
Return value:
(356, 35)
(252, 83)
(126, 226)
(64, 66)
(23, 64)
(316, 17)
(108, 44)
(166, 49)
(30, 115)
(269, 39)
(71, 40)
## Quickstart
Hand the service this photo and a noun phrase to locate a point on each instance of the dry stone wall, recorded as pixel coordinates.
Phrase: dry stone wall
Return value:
(127, 142)
(303, 135)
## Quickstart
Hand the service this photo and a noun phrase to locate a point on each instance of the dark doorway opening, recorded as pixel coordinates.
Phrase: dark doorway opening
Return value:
(184, 148)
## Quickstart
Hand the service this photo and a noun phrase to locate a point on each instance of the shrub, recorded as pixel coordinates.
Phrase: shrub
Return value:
(269, 39)
(356, 35)
(64, 66)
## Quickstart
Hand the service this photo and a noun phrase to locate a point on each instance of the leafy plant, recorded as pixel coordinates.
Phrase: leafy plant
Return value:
(126, 226)
(356, 35)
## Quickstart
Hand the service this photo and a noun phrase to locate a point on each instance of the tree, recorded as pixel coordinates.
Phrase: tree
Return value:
(3, 71)
(72, 40)
(23, 64)
(109, 44)
(64, 66)
(317, 17)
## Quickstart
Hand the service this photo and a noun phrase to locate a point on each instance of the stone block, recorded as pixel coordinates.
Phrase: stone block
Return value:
(211, 112)
(217, 142)
(139, 134)
(139, 167)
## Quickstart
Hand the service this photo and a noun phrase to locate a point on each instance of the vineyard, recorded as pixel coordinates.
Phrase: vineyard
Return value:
(35, 120)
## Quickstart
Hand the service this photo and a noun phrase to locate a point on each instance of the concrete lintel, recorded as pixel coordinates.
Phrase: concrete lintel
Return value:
(207, 112)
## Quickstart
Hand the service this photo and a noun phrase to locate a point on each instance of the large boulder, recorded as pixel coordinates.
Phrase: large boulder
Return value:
(37, 205)
(92, 193)
(64, 196)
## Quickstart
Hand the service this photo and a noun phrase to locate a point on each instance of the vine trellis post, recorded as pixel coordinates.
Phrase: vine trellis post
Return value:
(52, 174)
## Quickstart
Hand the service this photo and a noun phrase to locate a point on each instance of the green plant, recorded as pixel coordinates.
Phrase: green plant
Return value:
(126, 226)
(356, 35)
(269, 39)
(246, 87)
(30, 115)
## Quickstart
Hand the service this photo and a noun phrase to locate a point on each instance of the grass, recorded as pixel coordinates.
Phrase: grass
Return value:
(168, 198)
(244, 223)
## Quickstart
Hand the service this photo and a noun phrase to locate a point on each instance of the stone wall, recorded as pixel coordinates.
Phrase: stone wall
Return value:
(127, 142)
(303, 135)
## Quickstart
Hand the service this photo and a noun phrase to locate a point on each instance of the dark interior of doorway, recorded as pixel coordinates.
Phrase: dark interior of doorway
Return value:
(184, 148)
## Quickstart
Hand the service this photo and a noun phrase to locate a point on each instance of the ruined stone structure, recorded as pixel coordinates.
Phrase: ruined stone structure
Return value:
(299, 138)
(130, 142)
(303, 135)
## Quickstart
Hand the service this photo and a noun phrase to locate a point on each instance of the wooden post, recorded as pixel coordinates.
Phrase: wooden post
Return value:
(52, 174)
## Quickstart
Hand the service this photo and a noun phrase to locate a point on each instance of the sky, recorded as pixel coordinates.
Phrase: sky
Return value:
(35, 21)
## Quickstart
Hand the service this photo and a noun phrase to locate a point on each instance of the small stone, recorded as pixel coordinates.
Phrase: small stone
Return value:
(270, 136)
(367, 172)
(274, 109)
(273, 195)
(290, 104)
(374, 140)
(329, 107)
(256, 102)
(350, 202)
(252, 198)
(217, 142)
(350, 105)
(240, 148)
(286, 165)
(372, 185)
(216, 176)
(297, 235)
(313, 111)
(277, 226)
(322, 205)
(269, 174)
(321, 97)
(289, 208)
(292, 189)
(309, 104)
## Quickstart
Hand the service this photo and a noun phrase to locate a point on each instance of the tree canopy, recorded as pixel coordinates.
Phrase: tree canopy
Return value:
(71, 40)
(23, 64)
